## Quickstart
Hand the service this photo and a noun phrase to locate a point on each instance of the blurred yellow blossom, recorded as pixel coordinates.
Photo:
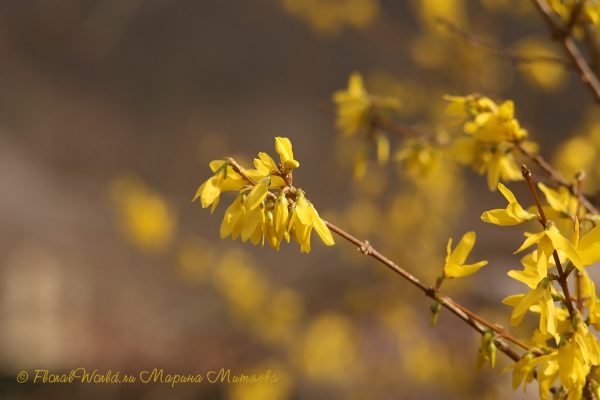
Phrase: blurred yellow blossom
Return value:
(328, 17)
(329, 351)
(280, 390)
(548, 76)
(498, 164)
(430, 10)
(354, 106)
(195, 259)
(419, 159)
(145, 217)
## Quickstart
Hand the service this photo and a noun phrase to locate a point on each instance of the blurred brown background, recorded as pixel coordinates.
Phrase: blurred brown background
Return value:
(109, 114)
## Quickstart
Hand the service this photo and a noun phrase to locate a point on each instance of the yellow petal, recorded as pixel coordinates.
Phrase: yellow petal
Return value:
(499, 217)
(456, 271)
(257, 194)
(283, 146)
(322, 229)
(462, 250)
(232, 214)
(527, 301)
(561, 243)
(531, 241)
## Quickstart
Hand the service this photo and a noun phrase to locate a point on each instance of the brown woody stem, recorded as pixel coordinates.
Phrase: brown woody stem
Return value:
(562, 277)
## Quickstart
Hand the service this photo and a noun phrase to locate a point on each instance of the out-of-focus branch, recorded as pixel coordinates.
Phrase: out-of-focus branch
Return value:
(503, 52)
(408, 131)
(593, 46)
(555, 176)
(561, 35)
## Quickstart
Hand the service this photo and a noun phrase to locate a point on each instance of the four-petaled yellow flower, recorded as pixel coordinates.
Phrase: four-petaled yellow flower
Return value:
(542, 296)
(224, 179)
(499, 164)
(523, 371)
(514, 214)
(455, 259)
(549, 240)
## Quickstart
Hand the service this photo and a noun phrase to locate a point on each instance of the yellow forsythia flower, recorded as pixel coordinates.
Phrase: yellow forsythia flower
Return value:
(468, 106)
(571, 369)
(258, 193)
(455, 259)
(419, 159)
(354, 106)
(487, 351)
(530, 274)
(145, 217)
(283, 146)
(523, 371)
(304, 219)
(563, 204)
(256, 213)
(498, 126)
(499, 164)
(514, 214)
(588, 247)
(223, 180)
(541, 296)
(549, 240)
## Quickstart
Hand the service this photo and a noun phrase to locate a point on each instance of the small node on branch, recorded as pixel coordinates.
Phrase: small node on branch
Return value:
(366, 248)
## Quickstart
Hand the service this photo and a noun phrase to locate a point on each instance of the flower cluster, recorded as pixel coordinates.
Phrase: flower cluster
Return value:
(493, 133)
(257, 213)
(576, 350)
(359, 110)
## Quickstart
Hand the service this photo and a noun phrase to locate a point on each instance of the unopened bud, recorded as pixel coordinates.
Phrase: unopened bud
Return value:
(491, 351)
(576, 320)
(435, 310)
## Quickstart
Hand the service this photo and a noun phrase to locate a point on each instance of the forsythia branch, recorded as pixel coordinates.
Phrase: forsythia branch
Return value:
(562, 277)
(503, 52)
(555, 176)
(561, 35)
(468, 316)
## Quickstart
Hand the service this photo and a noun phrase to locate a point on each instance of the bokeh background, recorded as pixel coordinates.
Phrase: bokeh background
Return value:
(110, 112)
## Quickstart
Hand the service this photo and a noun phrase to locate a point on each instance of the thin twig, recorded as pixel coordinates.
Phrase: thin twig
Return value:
(555, 176)
(578, 275)
(511, 55)
(562, 278)
(407, 130)
(463, 313)
(574, 17)
(562, 36)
